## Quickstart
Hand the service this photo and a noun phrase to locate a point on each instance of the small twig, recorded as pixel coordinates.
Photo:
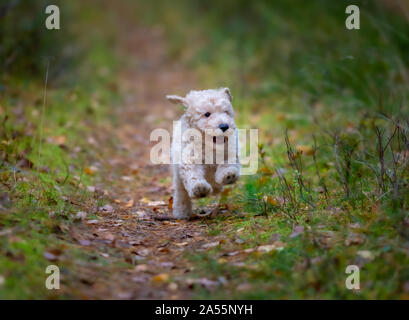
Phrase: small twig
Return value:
(314, 156)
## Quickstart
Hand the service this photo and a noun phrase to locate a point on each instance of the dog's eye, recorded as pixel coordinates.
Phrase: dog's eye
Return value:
(207, 114)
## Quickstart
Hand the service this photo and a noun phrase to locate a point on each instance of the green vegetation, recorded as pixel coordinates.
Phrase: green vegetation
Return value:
(331, 106)
(41, 174)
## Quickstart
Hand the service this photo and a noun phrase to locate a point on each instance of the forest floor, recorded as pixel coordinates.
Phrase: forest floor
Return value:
(130, 226)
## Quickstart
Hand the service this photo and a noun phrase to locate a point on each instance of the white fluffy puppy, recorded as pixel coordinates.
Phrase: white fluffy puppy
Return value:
(210, 114)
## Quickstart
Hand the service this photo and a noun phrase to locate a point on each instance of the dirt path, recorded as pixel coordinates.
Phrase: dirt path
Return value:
(128, 229)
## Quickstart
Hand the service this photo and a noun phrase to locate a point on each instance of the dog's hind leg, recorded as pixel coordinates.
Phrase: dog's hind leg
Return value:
(182, 205)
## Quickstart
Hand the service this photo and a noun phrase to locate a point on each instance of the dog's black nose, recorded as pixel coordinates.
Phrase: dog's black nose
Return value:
(224, 127)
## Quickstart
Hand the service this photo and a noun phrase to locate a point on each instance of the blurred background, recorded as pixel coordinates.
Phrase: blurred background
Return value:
(331, 106)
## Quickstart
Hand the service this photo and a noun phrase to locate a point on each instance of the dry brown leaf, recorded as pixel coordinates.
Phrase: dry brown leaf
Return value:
(91, 221)
(211, 245)
(306, 150)
(270, 247)
(156, 203)
(266, 171)
(90, 170)
(225, 192)
(160, 278)
(143, 252)
(172, 286)
(170, 203)
(144, 200)
(366, 254)
(141, 268)
(130, 203)
(281, 116)
(244, 286)
(58, 140)
(108, 236)
(182, 244)
(240, 230)
(271, 200)
(81, 215)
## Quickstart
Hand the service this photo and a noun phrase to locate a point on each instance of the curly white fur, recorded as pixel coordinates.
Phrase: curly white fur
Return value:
(206, 110)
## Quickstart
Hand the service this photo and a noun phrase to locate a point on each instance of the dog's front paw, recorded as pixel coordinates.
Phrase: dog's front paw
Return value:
(230, 176)
(200, 189)
(181, 213)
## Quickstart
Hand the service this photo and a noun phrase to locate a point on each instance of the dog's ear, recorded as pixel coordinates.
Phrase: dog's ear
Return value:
(228, 93)
(176, 100)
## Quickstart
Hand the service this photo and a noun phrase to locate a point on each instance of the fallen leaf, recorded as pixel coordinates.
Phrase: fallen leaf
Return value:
(107, 208)
(91, 221)
(240, 230)
(211, 245)
(15, 239)
(297, 231)
(166, 264)
(143, 252)
(208, 284)
(271, 200)
(244, 287)
(58, 140)
(130, 203)
(225, 192)
(156, 203)
(231, 254)
(141, 214)
(307, 150)
(25, 163)
(281, 116)
(239, 241)
(173, 286)
(144, 200)
(140, 279)
(90, 170)
(81, 215)
(270, 247)
(222, 260)
(182, 244)
(266, 171)
(354, 239)
(366, 254)
(50, 256)
(108, 236)
(84, 242)
(170, 203)
(160, 278)
(141, 268)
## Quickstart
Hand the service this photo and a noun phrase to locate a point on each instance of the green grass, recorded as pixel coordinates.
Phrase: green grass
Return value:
(44, 153)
